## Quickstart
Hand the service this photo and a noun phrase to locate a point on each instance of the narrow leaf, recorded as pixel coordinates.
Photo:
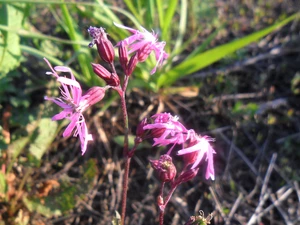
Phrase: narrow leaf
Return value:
(207, 58)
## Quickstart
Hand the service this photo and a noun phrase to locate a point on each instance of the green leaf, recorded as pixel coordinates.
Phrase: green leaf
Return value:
(35, 205)
(3, 184)
(207, 58)
(43, 137)
(69, 193)
(10, 53)
(16, 147)
(120, 141)
(65, 197)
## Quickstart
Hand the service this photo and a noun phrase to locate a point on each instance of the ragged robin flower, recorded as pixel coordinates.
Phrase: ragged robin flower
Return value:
(200, 147)
(167, 130)
(143, 43)
(74, 103)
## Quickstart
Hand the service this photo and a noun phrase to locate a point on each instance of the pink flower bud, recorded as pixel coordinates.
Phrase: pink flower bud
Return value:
(123, 56)
(104, 46)
(186, 176)
(164, 167)
(140, 132)
(110, 78)
(132, 64)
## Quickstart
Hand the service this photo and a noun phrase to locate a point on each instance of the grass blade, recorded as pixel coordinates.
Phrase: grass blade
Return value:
(207, 58)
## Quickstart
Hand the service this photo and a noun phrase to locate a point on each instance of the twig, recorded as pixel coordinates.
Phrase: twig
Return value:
(268, 174)
(280, 210)
(278, 201)
(241, 154)
(275, 203)
(264, 195)
(234, 208)
(283, 139)
(239, 96)
(218, 204)
(257, 215)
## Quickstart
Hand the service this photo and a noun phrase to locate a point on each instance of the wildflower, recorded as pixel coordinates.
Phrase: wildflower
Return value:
(201, 146)
(123, 56)
(74, 104)
(186, 176)
(111, 79)
(131, 64)
(166, 129)
(143, 43)
(104, 45)
(164, 167)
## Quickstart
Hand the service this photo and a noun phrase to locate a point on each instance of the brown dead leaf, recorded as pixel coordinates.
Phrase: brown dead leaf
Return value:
(47, 186)
(5, 120)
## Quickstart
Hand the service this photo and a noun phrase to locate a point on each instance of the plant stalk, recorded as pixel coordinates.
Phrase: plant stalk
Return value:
(125, 150)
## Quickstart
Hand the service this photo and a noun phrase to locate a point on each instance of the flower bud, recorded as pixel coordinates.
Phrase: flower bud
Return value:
(186, 176)
(123, 55)
(110, 78)
(164, 167)
(132, 64)
(104, 46)
(140, 132)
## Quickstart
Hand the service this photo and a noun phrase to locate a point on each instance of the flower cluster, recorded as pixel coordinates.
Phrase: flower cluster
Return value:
(74, 103)
(163, 128)
(142, 43)
(167, 130)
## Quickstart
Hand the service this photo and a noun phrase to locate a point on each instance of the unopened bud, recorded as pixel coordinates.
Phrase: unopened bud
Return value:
(132, 64)
(140, 132)
(123, 56)
(110, 78)
(164, 168)
(104, 46)
(186, 176)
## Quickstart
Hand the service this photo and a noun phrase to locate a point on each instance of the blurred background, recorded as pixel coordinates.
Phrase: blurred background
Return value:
(233, 74)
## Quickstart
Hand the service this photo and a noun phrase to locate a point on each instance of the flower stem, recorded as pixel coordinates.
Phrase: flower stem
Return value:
(161, 217)
(125, 150)
(166, 201)
(124, 189)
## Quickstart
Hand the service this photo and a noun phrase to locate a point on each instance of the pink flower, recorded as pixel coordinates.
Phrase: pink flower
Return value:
(143, 43)
(167, 130)
(201, 147)
(74, 103)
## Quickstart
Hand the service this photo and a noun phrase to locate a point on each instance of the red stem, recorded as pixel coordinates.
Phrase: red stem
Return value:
(166, 201)
(125, 150)
(161, 217)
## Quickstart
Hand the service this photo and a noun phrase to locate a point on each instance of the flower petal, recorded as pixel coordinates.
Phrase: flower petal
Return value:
(71, 126)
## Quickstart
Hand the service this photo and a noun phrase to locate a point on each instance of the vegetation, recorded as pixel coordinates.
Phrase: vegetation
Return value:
(233, 73)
